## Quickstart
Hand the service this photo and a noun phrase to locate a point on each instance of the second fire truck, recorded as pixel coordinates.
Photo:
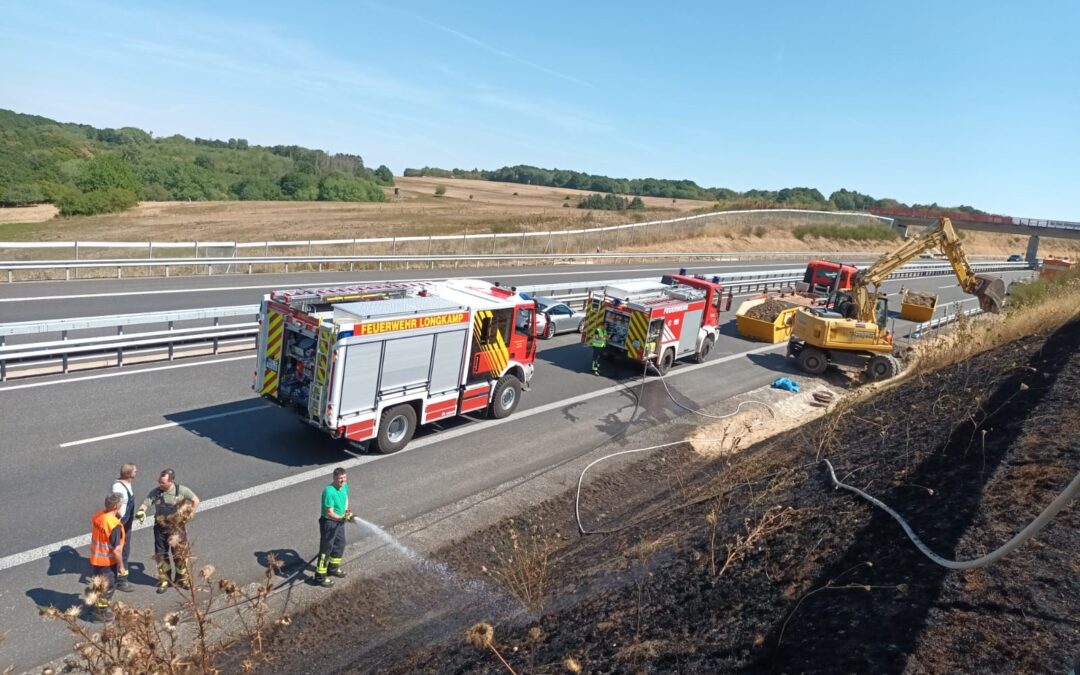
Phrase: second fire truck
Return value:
(373, 362)
(658, 321)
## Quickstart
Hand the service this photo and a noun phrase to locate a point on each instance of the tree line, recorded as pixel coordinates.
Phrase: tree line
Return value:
(84, 170)
(791, 198)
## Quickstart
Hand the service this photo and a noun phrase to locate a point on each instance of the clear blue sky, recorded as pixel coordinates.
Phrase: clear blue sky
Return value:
(955, 102)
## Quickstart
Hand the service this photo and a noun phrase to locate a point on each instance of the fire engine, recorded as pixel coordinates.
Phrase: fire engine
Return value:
(371, 362)
(657, 321)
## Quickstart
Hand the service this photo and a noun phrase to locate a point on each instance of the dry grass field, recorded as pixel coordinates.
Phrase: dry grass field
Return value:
(468, 206)
(475, 205)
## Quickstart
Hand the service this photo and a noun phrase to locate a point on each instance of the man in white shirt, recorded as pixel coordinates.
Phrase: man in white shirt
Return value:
(122, 487)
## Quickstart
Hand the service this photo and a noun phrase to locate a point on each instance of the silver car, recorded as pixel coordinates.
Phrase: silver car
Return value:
(556, 317)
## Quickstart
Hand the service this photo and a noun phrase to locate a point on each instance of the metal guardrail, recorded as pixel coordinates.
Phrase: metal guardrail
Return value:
(120, 320)
(249, 263)
(67, 348)
(919, 330)
(573, 293)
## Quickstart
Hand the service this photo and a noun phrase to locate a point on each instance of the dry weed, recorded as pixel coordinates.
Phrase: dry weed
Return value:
(772, 521)
(974, 336)
(136, 641)
(482, 636)
(523, 563)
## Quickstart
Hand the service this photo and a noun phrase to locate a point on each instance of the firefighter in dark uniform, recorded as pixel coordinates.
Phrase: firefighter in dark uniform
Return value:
(167, 498)
(106, 554)
(332, 518)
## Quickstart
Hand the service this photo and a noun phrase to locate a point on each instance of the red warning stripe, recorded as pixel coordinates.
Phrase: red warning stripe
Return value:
(360, 431)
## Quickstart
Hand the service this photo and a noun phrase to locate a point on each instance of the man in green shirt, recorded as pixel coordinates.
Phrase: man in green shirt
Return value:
(598, 342)
(332, 518)
(167, 499)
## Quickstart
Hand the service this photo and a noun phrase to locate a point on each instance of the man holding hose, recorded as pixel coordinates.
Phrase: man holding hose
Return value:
(332, 518)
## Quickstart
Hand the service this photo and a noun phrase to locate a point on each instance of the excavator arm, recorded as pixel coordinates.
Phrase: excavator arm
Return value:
(989, 290)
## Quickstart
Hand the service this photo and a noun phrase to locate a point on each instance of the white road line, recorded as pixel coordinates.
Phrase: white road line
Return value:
(947, 286)
(16, 559)
(167, 425)
(287, 284)
(133, 371)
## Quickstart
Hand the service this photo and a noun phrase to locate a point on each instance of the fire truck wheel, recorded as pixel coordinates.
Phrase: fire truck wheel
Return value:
(706, 349)
(506, 398)
(666, 360)
(396, 429)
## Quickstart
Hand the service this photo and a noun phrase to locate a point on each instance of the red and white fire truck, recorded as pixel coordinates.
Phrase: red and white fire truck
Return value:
(657, 321)
(372, 362)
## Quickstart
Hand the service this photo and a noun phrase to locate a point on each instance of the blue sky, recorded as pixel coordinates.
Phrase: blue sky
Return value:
(955, 102)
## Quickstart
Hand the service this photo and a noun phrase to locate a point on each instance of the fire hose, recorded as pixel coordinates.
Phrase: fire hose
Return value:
(1062, 500)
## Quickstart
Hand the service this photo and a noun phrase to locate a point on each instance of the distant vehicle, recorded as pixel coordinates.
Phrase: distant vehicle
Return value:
(926, 256)
(1016, 258)
(554, 317)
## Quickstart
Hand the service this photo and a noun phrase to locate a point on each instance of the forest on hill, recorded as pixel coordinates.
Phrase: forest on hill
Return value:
(84, 170)
(789, 198)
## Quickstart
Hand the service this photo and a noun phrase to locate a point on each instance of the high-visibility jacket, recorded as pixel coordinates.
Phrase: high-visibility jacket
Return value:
(599, 338)
(106, 538)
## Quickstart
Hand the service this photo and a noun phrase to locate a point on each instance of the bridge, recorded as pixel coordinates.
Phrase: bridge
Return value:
(1033, 228)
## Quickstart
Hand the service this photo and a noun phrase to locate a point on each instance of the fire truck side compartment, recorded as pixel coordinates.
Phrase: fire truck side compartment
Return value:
(689, 335)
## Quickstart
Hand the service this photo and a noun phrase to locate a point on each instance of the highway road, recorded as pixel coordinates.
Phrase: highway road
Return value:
(34, 300)
(260, 471)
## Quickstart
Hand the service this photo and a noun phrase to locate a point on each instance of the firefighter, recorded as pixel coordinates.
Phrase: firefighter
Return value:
(167, 498)
(122, 487)
(598, 342)
(332, 518)
(106, 554)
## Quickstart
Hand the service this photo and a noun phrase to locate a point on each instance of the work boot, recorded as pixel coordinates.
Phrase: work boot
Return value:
(325, 582)
(124, 585)
(337, 572)
(162, 586)
(104, 614)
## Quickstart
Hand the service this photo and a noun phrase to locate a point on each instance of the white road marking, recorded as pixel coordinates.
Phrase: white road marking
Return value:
(133, 371)
(41, 552)
(167, 425)
(217, 289)
(947, 286)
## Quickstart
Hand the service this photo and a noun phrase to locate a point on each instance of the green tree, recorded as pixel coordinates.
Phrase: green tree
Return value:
(383, 175)
(337, 188)
(299, 186)
(100, 201)
(107, 171)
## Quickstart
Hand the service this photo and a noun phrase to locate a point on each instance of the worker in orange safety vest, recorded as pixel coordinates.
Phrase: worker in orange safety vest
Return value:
(107, 538)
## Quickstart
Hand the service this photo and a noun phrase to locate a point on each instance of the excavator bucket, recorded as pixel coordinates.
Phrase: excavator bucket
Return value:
(991, 293)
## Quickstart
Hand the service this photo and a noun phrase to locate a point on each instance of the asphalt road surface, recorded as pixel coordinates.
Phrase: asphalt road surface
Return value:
(258, 470)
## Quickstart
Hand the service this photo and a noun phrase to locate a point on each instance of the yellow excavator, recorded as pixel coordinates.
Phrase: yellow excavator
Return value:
(851, 331)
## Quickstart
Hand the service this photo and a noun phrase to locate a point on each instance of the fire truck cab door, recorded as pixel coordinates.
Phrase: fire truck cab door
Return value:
(523, 340)
(492, 330)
